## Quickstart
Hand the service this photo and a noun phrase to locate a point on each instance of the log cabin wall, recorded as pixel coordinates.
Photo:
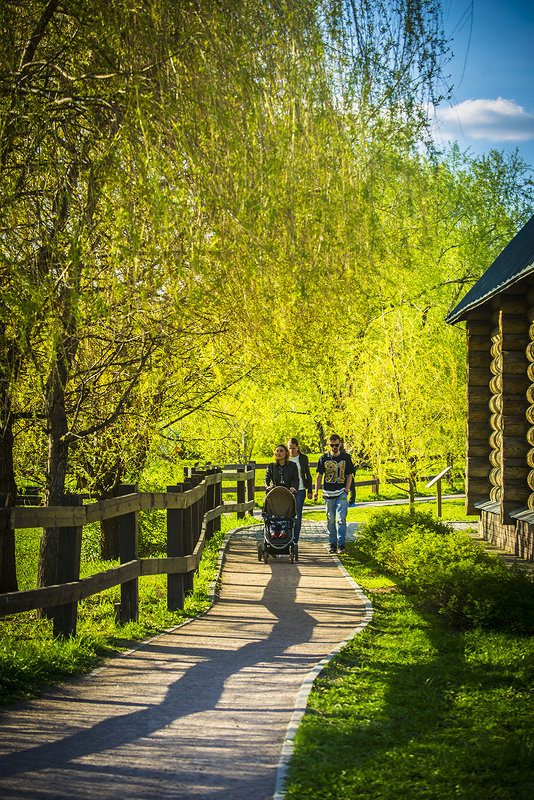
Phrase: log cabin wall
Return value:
(530, 400)
(495, 407)
(500, 387)
(514, 338)
(478, 446)
(499, 312)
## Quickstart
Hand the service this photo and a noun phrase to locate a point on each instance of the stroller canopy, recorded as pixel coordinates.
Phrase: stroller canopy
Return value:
(280, 502)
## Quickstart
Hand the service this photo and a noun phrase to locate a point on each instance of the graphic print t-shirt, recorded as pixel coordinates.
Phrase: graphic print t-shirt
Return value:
(335, 470)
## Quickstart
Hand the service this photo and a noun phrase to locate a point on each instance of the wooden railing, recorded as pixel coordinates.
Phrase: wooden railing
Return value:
(193, 508)
(373, 482)
(253, 465)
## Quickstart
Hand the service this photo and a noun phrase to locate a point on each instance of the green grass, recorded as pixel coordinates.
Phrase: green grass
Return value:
(31, 659)
(414, 708)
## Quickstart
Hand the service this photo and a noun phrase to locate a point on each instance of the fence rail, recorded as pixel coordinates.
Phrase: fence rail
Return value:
(374, 482)
(194, 509)
(31, 501)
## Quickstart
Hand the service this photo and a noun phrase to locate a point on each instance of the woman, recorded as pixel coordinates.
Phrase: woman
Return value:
(282, 472)
(305, 481)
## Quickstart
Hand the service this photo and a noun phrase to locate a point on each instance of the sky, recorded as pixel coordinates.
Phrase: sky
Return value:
(492, 73)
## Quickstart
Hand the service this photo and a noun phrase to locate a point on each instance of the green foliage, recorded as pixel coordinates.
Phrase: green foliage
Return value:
(388, 527)
(448, 570)
(153, 534)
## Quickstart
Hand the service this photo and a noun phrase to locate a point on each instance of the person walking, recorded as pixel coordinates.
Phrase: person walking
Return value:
(337, 469)
(282, 472)
(305, 481)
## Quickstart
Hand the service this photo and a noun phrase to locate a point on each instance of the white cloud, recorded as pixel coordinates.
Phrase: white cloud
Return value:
(495, 120)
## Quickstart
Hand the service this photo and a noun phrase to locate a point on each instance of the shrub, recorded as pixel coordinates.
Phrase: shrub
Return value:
(449, 571)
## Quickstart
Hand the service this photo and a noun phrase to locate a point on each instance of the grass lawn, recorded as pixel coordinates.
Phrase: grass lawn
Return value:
(413, 708)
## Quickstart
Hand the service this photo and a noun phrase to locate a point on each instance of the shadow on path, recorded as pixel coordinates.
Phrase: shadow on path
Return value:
(198, 689)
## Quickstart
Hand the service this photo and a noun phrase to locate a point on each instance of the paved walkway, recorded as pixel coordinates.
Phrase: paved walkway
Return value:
(201, 711)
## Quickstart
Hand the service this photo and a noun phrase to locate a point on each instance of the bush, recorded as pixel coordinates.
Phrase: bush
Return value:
(449, 571)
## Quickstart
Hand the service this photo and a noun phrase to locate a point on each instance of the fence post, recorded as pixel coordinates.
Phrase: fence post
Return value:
(201, 504)
(241, 492)
(68, 569)
(175, 547)
(188, 519)
(218, 500)
(129, 608)
(251, 483)
(438, 498)
(210, 505)
(197, 514)
(8, 578)
(376, 485)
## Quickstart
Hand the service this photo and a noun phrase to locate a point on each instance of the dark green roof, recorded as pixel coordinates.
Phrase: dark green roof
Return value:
(515, 262)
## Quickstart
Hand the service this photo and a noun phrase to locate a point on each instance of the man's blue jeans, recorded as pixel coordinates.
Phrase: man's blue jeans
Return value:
(336, 510)
(299, 499)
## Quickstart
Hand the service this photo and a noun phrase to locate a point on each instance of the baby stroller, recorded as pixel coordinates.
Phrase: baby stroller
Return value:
(279, 514)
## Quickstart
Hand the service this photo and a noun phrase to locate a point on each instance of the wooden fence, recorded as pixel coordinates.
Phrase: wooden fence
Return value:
(253, 465)
(374, 482)
(194, 509)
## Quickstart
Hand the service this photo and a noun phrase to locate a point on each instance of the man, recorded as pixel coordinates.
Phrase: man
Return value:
(337, 469)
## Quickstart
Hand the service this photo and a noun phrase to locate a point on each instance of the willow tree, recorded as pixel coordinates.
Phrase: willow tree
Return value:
(89, 291)
(290, 191)
(407, 407)
(398, 388)
(79, 80)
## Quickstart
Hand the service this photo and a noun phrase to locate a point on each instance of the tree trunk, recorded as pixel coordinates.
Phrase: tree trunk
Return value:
(56, 471)
(411, 492)
(412, 482)
(58, 445)
(8, 492)
(109, 539)
(322, 437)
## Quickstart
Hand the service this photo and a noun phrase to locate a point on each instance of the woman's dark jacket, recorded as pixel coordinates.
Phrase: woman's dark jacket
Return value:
(282, 475)
(305, 472)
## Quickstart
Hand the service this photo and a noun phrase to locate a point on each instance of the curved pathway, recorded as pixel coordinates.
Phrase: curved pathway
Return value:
(201, 711)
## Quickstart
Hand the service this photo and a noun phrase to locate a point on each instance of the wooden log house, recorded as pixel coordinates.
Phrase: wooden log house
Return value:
(499, 315)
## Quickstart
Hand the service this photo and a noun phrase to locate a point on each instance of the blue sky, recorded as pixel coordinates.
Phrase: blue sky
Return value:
(492, 72)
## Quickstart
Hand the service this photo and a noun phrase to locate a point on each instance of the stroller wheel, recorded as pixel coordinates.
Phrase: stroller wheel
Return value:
(265, 555)
(260, 553)
(296, 550)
